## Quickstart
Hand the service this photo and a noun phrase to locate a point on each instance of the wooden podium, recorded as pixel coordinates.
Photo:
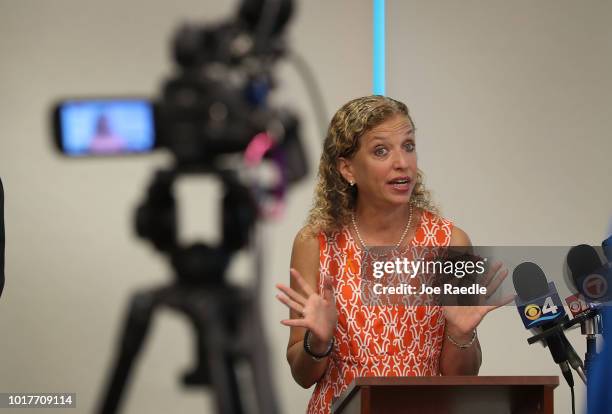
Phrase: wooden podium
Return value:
(452, 395)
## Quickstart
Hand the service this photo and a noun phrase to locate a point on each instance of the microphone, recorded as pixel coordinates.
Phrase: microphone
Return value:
(539, 303)
(591, 281)
(539, 306)
(590, 276)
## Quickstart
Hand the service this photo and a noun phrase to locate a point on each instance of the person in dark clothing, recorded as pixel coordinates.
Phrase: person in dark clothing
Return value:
(1, 237)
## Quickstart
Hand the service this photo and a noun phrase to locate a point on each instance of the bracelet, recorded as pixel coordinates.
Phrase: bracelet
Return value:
(316, 357)
(462, 346)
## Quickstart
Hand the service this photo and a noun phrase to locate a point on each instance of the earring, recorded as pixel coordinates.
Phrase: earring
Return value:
(351, 183)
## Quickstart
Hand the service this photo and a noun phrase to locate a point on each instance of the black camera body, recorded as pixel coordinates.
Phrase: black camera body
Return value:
(215, 103)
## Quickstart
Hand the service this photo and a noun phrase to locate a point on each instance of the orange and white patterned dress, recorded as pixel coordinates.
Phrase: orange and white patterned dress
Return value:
(376, 340)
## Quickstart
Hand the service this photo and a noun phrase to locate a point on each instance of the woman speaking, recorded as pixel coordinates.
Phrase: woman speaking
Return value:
(370, 192)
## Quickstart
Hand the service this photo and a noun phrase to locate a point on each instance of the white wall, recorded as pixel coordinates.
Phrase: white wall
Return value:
(72, 257)
(520, 91)
(512, 102)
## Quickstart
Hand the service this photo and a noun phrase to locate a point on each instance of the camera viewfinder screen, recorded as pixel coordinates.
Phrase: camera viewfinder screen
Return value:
(106, 127)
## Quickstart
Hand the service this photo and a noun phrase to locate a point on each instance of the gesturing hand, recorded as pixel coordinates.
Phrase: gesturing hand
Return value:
(462, 320)
(317, 312)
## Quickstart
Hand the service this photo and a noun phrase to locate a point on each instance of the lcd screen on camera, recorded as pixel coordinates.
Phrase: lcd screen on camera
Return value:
(106, 127)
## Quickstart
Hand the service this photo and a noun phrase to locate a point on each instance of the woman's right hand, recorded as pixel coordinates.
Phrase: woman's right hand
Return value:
(318, 312)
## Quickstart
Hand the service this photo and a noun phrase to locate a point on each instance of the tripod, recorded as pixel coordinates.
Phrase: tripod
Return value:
(226, 318)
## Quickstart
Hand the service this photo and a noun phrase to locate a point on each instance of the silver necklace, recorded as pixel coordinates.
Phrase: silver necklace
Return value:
(399, 243)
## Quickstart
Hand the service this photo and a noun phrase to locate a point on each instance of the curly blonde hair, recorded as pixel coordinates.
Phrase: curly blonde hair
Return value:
(334, 198)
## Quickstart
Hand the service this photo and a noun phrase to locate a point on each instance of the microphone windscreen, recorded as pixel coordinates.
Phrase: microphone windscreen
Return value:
(529, 281)
(582, 260)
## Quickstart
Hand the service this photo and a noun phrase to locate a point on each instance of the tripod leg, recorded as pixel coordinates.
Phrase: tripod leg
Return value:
(258, 357)
(200, 375)
(219, 357)
(134, 332)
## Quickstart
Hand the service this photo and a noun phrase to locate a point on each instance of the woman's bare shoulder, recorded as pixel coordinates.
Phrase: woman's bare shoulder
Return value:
(459, 238)
(305, 256)
(306, 240)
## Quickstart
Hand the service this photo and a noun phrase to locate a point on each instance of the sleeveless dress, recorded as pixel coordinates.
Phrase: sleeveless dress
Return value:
(376, 340)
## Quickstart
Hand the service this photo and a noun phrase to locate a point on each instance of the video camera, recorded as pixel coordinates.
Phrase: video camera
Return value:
(214, 104)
